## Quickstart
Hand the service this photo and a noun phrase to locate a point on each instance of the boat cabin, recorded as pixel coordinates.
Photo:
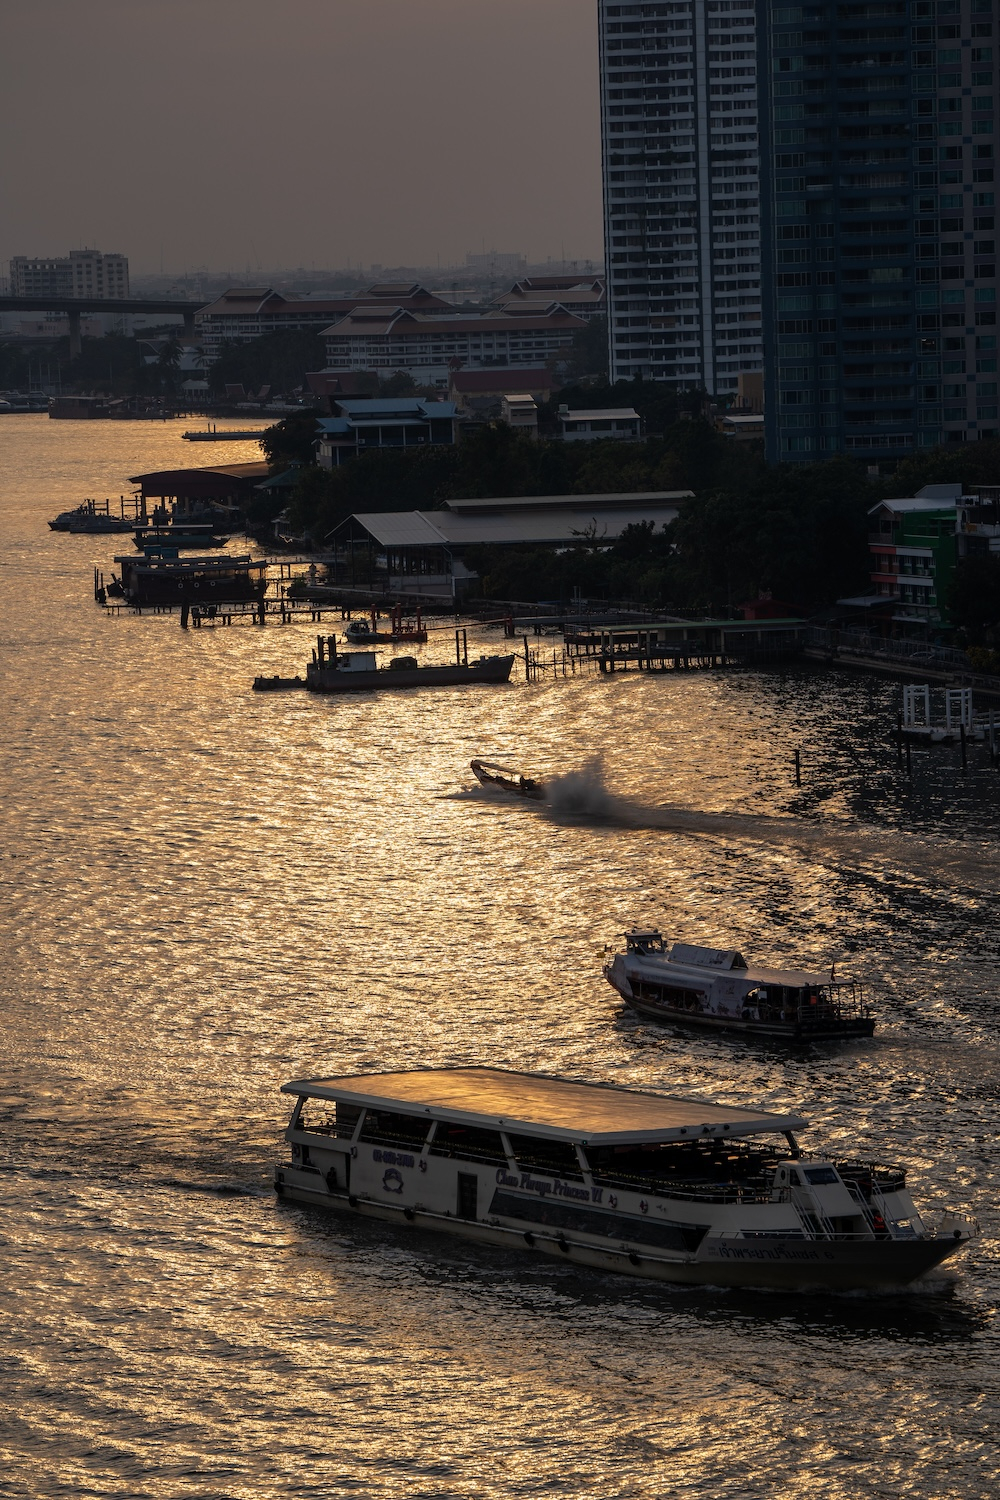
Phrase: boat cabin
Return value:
(520, 1127)
(357, 661)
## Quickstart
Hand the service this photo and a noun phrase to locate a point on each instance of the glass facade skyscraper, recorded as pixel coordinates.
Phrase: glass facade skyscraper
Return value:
(878, 232)
(681, 210)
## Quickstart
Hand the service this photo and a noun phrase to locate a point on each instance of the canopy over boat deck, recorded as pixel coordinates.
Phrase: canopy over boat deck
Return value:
(587, 1113)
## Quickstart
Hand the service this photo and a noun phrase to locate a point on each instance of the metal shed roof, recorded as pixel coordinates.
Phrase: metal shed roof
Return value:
(587, 1112)
(552, 528)
(626, 499)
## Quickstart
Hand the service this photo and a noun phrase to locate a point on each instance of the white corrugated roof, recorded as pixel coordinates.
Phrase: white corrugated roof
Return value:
(625, 499)
(556, 528)
(401, 528)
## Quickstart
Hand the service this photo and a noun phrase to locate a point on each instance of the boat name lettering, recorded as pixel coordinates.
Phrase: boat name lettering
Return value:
(545, 1185)
(759, 1253)
(393, 1158)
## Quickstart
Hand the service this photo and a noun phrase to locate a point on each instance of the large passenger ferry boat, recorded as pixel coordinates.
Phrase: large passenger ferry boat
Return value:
(716, 988)
(679, 1190)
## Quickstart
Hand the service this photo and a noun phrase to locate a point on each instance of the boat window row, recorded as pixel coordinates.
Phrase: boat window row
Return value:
(668, 994)
(382, 1127)
(710, 1168)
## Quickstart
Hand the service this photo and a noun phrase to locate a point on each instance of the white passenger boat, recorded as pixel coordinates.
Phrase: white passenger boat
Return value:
(718, 989)
(679, 1190)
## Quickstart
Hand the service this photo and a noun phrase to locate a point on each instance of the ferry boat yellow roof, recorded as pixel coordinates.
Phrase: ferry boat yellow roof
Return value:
(586, 1112)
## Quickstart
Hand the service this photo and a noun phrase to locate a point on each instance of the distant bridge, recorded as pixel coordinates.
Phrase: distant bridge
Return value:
(77, 306)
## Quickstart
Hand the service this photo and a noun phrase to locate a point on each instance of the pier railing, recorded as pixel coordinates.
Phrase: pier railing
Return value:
(910, 656)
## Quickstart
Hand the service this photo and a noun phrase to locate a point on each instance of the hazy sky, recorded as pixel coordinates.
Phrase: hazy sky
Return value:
(228, 133)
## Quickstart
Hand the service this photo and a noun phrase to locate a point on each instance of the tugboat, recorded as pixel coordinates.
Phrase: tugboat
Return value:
(333, 671)
(504, 779)
(679, 1190)
(716, 988)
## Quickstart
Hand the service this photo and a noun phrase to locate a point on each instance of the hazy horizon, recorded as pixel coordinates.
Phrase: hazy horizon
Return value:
(237, 136)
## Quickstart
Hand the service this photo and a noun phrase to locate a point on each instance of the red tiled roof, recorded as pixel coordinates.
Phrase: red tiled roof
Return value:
(500, 381)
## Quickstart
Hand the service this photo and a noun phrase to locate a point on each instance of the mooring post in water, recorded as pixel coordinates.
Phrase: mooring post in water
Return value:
(961, 741)
(798, 769)
(261, 612)
(899, 739)
(993, 739)
(527, 661)
(909, 760)
(185, 609)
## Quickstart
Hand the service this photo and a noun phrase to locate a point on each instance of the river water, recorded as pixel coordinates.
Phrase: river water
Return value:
(207, 892)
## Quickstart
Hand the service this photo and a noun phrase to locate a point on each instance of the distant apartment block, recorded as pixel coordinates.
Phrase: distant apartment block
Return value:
(878, 160)
(82, 273)
(681, 208)
(428, 345)
(242, 314)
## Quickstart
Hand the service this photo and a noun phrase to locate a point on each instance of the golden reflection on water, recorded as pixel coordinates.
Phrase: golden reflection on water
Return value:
(209, 891)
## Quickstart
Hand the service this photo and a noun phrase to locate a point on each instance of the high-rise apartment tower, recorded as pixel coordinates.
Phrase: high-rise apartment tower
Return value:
(681, 233)
(878, 227)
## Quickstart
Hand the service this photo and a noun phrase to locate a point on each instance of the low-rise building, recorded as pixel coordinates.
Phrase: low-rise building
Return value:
(481, 391)
(744, 427)
(520, 412)
(425, 344)
(619, 422)
(914, 549)
(243, 313)
(586, 298)
(402, 422)
(422, 552)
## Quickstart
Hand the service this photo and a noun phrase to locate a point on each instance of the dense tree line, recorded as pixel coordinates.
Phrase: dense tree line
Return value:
(111, 365)
(798, 532)
(280, 360)
(496, 461)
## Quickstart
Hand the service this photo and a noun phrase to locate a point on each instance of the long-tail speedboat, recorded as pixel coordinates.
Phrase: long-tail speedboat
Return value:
(505, 779)
(679, 1190)
(716, 988)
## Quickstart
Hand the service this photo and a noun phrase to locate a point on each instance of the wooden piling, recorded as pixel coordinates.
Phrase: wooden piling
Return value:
(798, 769)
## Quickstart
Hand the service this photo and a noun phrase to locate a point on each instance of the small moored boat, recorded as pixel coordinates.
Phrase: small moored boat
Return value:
(504, 779)
(677, 1190)
(89, 519)
(718, 989)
